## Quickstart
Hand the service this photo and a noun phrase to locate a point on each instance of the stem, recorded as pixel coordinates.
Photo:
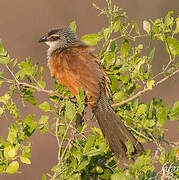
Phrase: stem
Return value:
(145, 90)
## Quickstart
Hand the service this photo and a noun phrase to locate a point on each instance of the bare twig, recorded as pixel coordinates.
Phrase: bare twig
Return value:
(56, 131)
(12, 74)
(50, 92)
(144, 90)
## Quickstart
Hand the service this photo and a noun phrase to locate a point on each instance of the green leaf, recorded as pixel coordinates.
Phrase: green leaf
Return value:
(70, 112)
(43, 119)
(106, 32)
(29, 125)
(31, 100)
(114, 83)
(25, 160)
(119, 176)
(91, 39)
(13, 167)
(113, 47)
(14, 64)
(163, 155)
(177, 26)
(99, 169)
(124, 78)
(135, 26)
(26, 67)
(43, 122)
(173, 45)
(42, 84)
(82, 165)
(41, 72)
(1, 111)
(44, 106)
(174, 114)
(146, 26)
(161, 116)
(125, 48)
(135, 105)
(4, 57)
(12, 152)
(151, 55)
(130, 147)
(4, 99)
(108, 58)
(73, 26)
(141, 109)
(2, 52)
(116, 25)
(119, 96)
(150, 84)
(12, 136)
(44, 177)
(89, 143)
(56, 169)
(168, 18)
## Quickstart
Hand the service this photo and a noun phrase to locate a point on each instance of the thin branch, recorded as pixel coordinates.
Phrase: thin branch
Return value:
(50, 92)
(144, 90)
(140, 134)
(12, 74)
(56, 131)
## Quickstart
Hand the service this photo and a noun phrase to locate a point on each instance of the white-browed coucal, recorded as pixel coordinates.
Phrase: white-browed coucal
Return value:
(74, 65)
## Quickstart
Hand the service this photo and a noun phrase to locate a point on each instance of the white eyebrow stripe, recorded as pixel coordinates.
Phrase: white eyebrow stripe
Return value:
(54, 35)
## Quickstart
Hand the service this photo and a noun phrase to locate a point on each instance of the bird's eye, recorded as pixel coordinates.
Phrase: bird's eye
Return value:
(53, 38)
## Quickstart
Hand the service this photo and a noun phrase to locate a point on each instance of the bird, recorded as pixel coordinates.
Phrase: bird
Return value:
(74, 64)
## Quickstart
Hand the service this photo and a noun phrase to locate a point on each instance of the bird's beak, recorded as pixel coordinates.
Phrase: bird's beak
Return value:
(43, 39)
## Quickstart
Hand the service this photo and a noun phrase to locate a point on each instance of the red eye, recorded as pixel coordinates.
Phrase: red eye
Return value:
(53, 38)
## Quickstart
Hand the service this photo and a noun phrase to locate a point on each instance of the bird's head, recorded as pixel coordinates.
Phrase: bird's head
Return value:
(59, 38)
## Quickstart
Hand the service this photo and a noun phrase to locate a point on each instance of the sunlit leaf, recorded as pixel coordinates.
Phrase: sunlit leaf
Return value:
(173, 45)
(151, 55)
(174, 114)
(89, 143)
(125, 48)
(161, 116)
(150, 84)
(56, 168)
(177, 26)
(106, 32)
(116, 25)
(44, 177)
(13, 167)
(134, 24)
(146, 26)
(70, 113)
(91, 39)
(25, 160)
(73, 26)
(82, 165)
(44, 106)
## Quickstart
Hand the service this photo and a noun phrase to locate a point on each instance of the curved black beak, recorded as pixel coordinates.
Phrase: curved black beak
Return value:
(43, 39)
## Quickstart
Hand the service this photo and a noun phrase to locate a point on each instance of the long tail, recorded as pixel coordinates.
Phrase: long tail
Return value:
(113, 128)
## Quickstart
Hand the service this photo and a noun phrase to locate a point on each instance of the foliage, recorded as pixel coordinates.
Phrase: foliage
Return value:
(82, 152)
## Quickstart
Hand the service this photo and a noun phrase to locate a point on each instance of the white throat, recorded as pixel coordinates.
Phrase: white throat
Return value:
(53, 45)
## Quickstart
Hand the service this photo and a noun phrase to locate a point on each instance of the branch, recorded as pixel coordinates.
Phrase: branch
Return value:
(50, 92)
(144, 90)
